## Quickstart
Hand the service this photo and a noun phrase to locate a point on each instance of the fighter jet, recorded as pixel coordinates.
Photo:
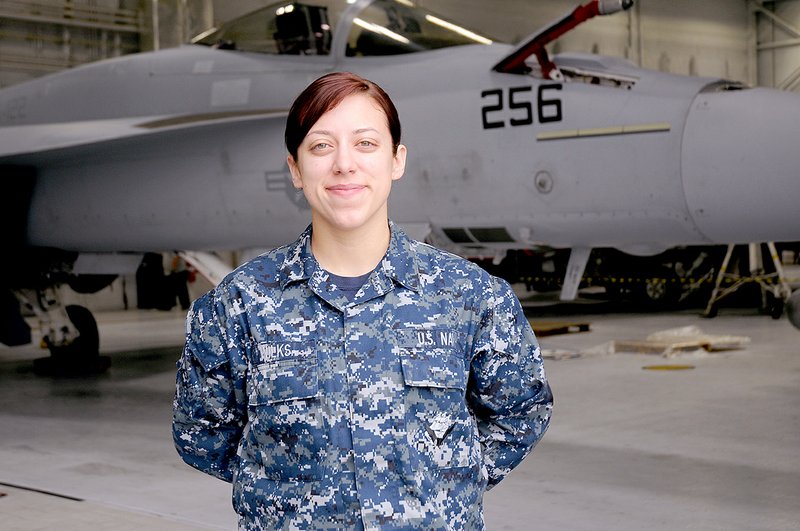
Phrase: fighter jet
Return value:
(509, 148)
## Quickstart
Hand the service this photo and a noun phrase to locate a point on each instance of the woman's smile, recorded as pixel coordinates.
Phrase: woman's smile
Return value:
(346, 190)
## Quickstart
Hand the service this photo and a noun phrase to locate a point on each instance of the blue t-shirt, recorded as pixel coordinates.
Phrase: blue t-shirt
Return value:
(349, 285)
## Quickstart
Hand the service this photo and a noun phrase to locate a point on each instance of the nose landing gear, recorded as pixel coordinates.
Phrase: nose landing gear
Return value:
(69, 333)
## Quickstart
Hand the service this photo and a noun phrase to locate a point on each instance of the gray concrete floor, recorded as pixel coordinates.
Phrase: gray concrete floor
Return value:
(716, 446)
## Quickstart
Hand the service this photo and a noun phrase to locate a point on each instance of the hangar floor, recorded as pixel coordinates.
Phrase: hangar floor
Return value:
(710, 447)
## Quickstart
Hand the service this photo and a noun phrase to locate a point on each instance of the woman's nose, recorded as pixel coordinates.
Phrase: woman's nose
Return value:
(343, 162)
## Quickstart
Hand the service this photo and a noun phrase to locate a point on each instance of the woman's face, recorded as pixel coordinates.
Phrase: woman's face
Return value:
(345, 165)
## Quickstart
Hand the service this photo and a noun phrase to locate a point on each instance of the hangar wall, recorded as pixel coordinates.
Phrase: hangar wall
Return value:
(778, 44)
(45, 36)
(171, 23)
(38, 37)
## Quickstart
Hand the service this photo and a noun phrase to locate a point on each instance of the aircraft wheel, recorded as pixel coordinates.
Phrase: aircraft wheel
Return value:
(774, 306)
(660, 291)
(80, 357)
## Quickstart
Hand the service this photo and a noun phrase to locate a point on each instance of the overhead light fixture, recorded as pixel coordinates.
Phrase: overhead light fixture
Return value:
(457, 29)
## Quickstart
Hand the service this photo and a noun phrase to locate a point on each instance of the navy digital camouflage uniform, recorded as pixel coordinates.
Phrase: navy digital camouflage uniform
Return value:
(394, 410)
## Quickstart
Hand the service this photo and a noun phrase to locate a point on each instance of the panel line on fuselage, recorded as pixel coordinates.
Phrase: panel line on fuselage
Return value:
(658, 127)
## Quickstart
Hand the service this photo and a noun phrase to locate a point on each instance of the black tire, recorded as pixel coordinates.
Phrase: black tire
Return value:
(80, 357)
(793, 309)
(774, 306)
(87, 344)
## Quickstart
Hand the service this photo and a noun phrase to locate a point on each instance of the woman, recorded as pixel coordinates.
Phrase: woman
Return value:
(357, 379)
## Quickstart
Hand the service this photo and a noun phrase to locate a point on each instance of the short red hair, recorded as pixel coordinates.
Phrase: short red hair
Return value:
(326, 93)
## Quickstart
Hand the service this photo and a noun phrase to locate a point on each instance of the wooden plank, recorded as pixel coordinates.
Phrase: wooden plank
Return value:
(552, 328)
(659, 347)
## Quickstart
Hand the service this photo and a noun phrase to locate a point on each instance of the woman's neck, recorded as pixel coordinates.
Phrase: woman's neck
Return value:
(350, 253)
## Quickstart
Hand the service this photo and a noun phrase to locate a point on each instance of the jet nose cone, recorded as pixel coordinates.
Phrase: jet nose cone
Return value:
(741, 165)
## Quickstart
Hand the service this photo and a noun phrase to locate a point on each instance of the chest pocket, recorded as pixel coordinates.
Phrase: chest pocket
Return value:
(438, 424)
(286, 429)
(285, 371)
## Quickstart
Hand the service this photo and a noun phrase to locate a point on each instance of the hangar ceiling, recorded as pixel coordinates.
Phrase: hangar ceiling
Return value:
(754, 41)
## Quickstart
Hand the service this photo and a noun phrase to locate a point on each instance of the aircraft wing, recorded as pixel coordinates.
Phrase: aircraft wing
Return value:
(149, 183)
(20, 143)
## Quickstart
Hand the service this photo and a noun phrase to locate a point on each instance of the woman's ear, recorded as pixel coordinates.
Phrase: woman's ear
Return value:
(399, 162)
(297, 180)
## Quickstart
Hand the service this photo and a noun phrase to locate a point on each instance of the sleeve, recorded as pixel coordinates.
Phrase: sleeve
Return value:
(508, 391)
(209, 411)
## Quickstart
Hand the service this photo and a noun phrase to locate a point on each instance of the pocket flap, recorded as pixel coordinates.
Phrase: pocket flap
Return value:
(434, 368)
(288, 372)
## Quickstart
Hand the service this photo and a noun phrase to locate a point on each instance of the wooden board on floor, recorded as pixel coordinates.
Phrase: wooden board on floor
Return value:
(553, 328)
(658, 347)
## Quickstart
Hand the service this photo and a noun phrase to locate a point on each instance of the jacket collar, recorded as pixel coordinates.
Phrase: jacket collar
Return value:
(399, 265)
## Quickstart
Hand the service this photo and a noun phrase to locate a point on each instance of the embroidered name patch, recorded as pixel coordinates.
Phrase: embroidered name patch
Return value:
(433, 338)
(285, 351)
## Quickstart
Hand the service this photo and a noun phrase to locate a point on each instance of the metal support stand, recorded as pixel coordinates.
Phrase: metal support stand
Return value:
(772, 284)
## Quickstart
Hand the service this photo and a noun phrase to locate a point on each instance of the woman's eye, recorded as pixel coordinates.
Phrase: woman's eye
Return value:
(320, 146)
(366, 143)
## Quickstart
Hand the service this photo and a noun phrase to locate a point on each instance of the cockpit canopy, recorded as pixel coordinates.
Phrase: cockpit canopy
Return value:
(381, 27)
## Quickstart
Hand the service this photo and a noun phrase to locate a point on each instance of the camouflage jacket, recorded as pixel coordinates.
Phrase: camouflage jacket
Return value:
(395, 410)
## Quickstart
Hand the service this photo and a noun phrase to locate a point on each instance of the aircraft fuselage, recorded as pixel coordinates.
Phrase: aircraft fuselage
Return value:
(495, 160)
